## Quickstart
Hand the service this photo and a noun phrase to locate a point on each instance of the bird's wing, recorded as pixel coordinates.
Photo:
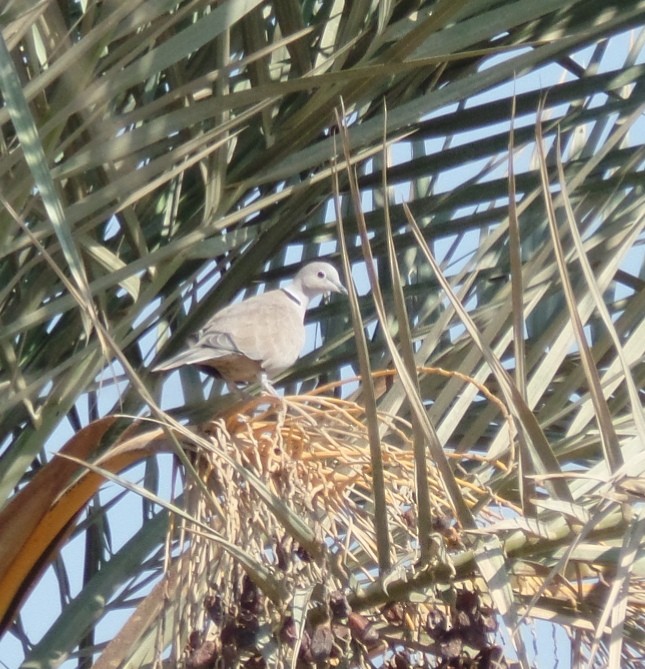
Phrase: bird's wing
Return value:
(266, 328)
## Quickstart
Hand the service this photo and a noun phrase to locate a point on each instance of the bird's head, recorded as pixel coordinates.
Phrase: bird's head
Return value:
(318, 278)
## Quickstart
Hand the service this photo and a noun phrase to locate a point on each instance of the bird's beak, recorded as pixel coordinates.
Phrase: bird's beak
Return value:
(339, 288)
(336, 287)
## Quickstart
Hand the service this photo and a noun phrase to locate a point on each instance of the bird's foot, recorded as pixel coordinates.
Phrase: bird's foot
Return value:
(267, 386)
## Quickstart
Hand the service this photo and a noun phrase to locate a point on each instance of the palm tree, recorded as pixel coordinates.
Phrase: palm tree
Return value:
(477, 168)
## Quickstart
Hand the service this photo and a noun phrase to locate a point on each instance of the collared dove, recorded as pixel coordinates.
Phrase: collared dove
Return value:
(261, 336)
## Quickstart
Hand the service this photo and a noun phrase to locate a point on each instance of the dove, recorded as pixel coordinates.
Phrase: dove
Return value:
(260, 337)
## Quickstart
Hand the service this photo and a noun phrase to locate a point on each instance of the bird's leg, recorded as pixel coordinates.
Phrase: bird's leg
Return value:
(281, 411)
(266, 385)
(235, 390)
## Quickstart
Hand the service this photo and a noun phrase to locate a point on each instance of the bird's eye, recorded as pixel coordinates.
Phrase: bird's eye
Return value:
(321, 275)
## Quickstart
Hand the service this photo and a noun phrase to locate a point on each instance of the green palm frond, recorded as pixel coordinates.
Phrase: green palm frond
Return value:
(158, 159)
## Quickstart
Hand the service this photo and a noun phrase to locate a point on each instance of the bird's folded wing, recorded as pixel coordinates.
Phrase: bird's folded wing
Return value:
(267, 328)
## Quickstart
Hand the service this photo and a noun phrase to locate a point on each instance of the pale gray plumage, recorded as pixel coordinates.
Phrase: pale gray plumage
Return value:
(262, 335)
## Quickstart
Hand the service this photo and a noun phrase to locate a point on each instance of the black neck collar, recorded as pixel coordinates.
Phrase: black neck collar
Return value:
(291, 296)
